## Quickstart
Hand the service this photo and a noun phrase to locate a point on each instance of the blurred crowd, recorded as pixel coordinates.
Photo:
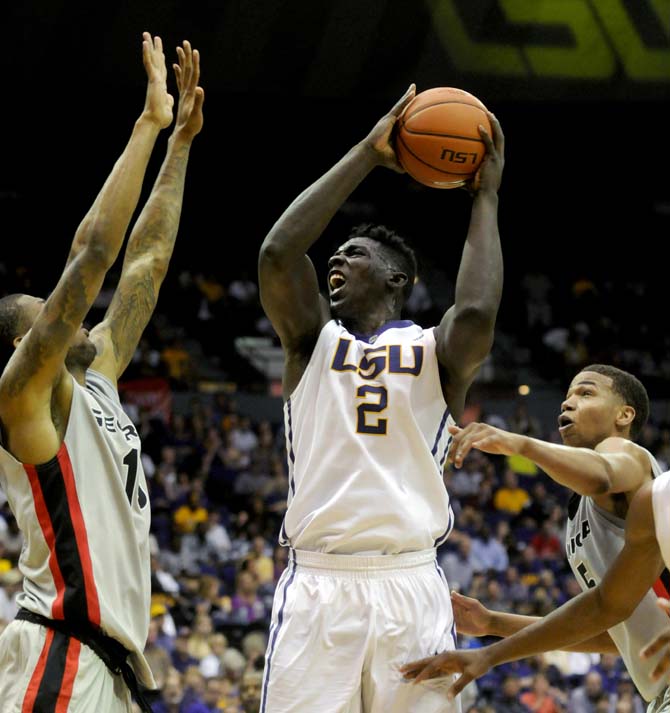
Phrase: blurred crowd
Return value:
(218, 486)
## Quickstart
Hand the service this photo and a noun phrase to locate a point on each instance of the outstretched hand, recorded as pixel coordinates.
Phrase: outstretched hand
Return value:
(158, 102)
(469, 664)
(489, 175)
(191, 96)
(483, 437)
(380, 140)
(660, 643)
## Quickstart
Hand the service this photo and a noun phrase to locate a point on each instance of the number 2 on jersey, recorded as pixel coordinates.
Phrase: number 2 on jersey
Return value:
(368, 409)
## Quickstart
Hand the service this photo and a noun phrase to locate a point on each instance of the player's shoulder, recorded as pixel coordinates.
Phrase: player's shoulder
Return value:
(100, 386)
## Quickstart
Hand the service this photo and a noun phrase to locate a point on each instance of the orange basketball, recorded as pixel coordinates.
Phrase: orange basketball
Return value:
(436, 137)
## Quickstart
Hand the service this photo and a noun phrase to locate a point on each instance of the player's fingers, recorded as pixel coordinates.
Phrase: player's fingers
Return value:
(662, 666)
(656, 645)
(199, 99)
(664, 604)
(196, 67)
(498, 135)
(464, 447)
(158, 44)
(488, 141)
(178, 76)
(411, 669)
(429, 671)
(454, 429)
(460, 683)
(406, 98)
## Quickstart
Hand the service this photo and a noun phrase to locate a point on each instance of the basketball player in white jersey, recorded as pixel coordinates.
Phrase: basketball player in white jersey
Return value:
(70, 459)
(605, 408)
(368, 398)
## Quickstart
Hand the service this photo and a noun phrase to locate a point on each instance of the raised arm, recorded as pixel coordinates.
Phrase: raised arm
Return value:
(289, 288)
(626, 582)
(616, 465)
(465, 334)
(152, 239)
(28, 379)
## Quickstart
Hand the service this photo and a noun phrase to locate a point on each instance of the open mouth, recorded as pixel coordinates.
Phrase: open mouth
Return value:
(336, 281)
(564, 422)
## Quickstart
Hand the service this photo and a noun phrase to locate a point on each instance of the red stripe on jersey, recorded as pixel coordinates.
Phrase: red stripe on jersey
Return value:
(36, 679)
(70, 673)
(80, 535)
(660, 589)
(48, 532)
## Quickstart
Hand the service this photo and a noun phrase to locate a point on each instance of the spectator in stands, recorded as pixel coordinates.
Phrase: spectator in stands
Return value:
(511, 498)
(180, 656)
(539, 698)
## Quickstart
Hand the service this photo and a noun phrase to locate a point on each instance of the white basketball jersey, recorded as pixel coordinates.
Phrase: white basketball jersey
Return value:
(85, 519)
(367, 438)
(660, 498)
(594, 539)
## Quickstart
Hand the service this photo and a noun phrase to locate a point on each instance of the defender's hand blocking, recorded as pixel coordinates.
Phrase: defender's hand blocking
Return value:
(470, 664)
(661, 642)
(158, 103)
(483, 437)
(379, 139)
(191, 96)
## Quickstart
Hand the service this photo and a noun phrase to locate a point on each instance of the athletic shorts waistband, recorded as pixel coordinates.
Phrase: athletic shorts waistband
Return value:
(363, 565)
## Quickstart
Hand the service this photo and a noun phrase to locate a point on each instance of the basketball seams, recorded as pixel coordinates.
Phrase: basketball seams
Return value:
(443, 136)
(417, 111)
(430, 146)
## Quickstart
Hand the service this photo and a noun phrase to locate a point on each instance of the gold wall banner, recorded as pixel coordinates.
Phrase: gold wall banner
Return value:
(594, 40)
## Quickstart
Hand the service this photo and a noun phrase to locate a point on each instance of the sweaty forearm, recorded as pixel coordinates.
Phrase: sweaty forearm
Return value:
(480, 275)
(308, 215)
(504, 624)
(581, 469)
(155, 231)
(579, 620)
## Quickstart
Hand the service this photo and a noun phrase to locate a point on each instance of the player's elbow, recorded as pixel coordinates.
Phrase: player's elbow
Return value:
(479, 316)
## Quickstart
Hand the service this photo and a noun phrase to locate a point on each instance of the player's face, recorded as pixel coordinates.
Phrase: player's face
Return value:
(82, 351)
(588, 414)
(357, 276)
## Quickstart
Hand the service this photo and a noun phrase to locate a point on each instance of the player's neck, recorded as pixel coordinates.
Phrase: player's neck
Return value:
(78, 374)
(370, 322)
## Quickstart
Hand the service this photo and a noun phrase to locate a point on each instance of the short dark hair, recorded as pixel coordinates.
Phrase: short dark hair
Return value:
(406, 259)
(12, 324)
(630, 389)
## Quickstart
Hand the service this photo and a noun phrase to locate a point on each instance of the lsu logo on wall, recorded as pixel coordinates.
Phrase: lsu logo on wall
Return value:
(562, 39)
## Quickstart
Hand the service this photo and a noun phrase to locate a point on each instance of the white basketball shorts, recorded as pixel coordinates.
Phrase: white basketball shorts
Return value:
(341, 627)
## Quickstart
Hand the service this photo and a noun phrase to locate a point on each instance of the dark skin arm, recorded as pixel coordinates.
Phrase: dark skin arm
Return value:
(289, 290)
(465, 334)
(35, 381)
(595, 610)
(474, 619)
(152, 239)
(616, 465)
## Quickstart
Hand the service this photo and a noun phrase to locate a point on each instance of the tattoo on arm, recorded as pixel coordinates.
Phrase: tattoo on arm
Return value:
(45, 347)
(147, 256)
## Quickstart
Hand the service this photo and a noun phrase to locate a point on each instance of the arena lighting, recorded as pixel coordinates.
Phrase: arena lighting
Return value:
(524, 390)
